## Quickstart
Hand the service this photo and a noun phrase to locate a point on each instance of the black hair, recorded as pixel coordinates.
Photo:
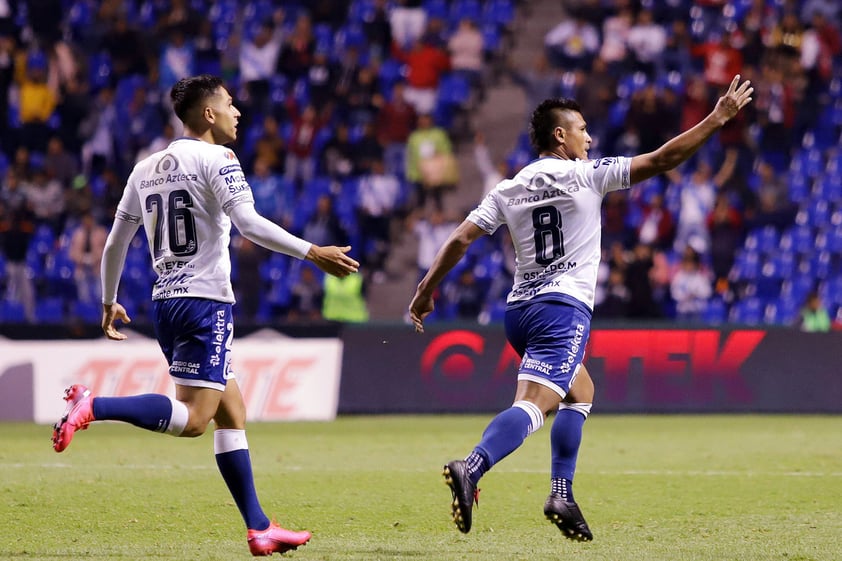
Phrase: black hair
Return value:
(544, 120)
(189, 92)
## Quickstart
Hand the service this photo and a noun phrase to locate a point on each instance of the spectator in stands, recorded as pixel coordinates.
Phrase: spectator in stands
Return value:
(721, 61)
(367, 149)
(775, 113)
(46, 199)
(657, 228)
(337, 158)
(601, 87)
(690, 287)
(541, 81)
(259, 60)
(271, 197)
(301, 155)
(271, 146)
(615, 303)
(249, 288)
(17, 225)
(395, 121)
(492, 173)
(813, 316)
(430, 162)
(37, 103)
(464, 295)
(99, 128)
(407, 20)
(324, 225)
(307, 296)
(431, 229)
(177, 59)
(467, 47)
(126, 47)
(638, 272)
(378, 30)
(425, 63)
(87, 243)
(697, 194)
(676, 55)
(615, 34)
(572, 44)
(297, 49)
(345, 299)
(377, 200)
(650, 119)
(358, 105)
(60, 164)
(647, 40)
(725, 227)
(321, 81)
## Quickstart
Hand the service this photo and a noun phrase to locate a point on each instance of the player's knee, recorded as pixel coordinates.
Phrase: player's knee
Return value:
(194, 428)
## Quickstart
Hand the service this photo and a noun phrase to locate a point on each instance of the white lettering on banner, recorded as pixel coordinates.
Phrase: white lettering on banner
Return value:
(281, 379)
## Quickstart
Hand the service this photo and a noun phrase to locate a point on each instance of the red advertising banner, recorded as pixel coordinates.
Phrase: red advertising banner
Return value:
(635, 370)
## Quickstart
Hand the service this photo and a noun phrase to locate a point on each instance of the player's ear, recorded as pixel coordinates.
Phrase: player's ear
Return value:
(209, 115)
(558, 134)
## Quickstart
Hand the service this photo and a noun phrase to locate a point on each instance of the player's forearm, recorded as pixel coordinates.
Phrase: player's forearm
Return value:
(113, 258)
(268, 234)
(449, 255)
(680, 148)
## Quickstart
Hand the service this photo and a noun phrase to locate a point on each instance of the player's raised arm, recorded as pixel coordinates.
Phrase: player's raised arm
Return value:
(680, 148)
(448, 256)
(330, 259)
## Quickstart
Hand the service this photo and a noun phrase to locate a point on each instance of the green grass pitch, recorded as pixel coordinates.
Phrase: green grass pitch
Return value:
(653, 488)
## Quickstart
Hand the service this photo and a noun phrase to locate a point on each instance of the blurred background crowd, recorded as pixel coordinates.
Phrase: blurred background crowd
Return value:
(355, 113)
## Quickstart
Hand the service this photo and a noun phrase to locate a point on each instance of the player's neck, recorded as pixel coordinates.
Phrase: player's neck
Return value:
(557, 152)
(204, 136)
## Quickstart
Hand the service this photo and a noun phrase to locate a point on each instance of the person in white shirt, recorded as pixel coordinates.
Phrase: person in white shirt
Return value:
(187, 197)
(552, 208)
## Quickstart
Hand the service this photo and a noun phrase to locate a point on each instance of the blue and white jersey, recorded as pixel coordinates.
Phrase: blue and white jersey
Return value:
(553, 210)
(183, 195)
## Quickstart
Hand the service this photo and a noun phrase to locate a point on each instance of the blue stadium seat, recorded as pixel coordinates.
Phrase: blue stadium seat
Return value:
(781, 312)
(798, 239)
(465, 9)
(748, 311)
(715, 312)
(11, 312)
(50, 310)
(90, 312)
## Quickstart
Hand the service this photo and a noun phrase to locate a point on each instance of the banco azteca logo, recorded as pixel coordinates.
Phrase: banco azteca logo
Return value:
(167, 164)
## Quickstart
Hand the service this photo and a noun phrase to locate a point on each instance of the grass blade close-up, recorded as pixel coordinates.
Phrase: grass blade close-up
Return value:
(741, 488)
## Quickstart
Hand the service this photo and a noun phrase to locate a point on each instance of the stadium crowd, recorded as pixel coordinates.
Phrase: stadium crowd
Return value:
(351, 111)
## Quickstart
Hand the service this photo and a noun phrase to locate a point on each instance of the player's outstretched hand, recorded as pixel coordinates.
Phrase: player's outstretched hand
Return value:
(111, 313)
(420, 307)
(737, 97)
(333, 260)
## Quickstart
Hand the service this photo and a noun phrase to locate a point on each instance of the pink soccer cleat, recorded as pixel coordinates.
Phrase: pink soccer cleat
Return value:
(275, 539)
(77, 416)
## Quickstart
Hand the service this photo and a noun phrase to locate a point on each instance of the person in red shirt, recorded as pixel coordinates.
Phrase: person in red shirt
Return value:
(395, 120)
(425, 64)
(721, 61)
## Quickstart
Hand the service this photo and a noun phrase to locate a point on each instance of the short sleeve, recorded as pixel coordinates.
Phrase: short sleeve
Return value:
(487, 215)
(227, 180)
(609, 174)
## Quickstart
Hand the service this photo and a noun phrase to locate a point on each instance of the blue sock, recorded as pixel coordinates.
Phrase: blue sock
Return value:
(565, 437)
(150, 411)
(235, 467)
(504, 434)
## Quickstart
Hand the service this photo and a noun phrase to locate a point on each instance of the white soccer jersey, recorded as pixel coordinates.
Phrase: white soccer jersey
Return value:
(553, 210)
(183, 195)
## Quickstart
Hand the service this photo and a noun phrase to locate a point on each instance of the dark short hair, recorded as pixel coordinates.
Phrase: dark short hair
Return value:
(189, 92)
(545, 119)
